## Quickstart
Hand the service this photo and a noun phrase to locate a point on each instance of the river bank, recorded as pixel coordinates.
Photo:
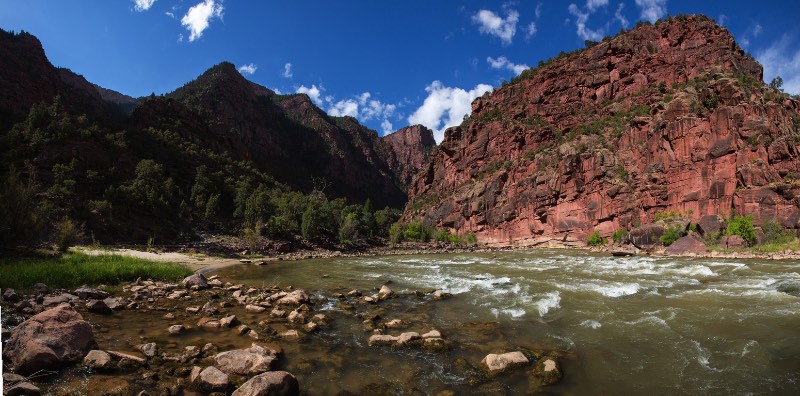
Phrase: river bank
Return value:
(206, 335)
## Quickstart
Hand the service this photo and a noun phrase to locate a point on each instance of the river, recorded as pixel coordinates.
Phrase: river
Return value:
(623, 325)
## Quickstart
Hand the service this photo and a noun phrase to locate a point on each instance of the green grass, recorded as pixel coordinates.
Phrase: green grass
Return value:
(76, 269)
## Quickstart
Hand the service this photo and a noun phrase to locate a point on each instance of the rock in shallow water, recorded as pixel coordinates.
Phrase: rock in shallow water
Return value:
(278, 383)
(249, 361)
(211, 379)
(495, 364)
(98, 360)
(49, 340)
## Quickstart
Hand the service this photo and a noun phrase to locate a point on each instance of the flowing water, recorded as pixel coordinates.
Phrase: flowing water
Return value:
(624, 325)
(621, 325)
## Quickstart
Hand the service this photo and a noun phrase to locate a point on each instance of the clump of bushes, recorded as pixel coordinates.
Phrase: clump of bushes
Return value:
(67, 234)
(743, 227)
(416, 231)
(672, 234)
(596, 240)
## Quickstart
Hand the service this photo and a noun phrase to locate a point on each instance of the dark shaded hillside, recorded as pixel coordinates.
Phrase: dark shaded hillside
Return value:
(219, 154)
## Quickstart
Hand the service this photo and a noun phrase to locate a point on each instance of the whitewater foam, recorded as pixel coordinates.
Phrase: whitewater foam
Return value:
(551, 301)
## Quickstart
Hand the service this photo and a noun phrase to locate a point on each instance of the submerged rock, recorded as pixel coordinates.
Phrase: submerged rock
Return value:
(496, 364)
(278, 383)
(49, 340)
(547, 370)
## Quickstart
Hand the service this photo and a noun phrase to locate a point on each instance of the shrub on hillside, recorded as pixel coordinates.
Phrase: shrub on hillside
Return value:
(743, 227)
(596, 240)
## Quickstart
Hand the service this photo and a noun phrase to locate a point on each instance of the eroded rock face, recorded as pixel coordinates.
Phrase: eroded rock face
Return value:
(49, 340)
(409, 148)
(277, 383)
(665, 117)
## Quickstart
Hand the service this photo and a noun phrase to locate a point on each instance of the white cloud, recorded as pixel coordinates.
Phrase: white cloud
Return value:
(199, 17)
(170, 14)
(347, 107)
(722, 19)
(757, 30)
(782, 59)
(386, 126)
(287, 70)
(503, 63)
(313, 93)
(248, 69)
(652, 10)
(538, 11)
(362, 107)
(143, 5)
(530, 31)
(593, 5)
(493, 24)
(445, 107)
(581, 18)
(621, 18)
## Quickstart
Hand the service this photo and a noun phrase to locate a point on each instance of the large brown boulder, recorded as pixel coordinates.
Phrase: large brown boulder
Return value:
(709, 224)
(686, 245)
(274, 383)
(647, 236)
(49, 340)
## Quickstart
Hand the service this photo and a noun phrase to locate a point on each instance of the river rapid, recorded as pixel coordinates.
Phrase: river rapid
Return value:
(622, 325)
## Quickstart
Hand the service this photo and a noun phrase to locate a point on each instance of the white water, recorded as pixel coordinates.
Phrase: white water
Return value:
(630, 325)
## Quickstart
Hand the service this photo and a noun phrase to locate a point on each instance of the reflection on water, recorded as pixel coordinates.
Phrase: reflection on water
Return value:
(637, 324)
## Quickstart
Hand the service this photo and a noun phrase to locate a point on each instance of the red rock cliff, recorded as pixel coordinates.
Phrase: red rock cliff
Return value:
(666, 117)
(408, 150)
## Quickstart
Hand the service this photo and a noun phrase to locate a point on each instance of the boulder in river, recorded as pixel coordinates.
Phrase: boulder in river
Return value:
(98, 360)
(278, 383)
(211, 379)
(495, 364)
(98, 307)
(9, 295)
(381, 339)
(197, 281)
(49, 340)
(254, 360)
(385, 293)
(150, 349)
(85, 293)
(296, 297)
(547, 370)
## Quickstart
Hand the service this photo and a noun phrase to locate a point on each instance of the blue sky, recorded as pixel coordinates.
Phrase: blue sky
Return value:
(388, 63)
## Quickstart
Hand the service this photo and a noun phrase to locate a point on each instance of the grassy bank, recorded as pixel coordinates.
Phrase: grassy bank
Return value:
(75, 269)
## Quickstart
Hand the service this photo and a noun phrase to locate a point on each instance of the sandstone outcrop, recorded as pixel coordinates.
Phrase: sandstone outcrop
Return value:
(671, 116)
